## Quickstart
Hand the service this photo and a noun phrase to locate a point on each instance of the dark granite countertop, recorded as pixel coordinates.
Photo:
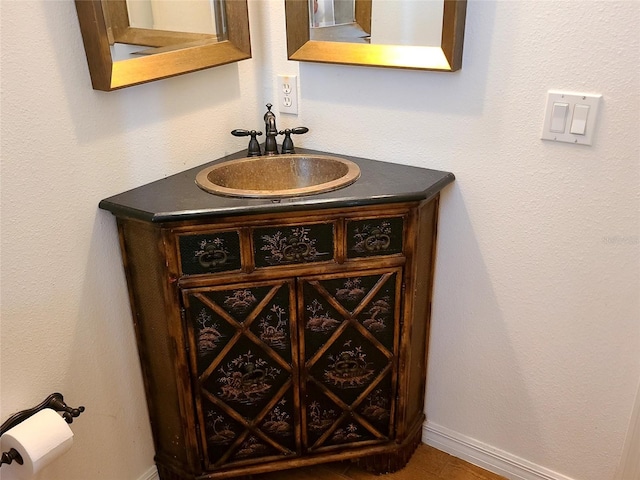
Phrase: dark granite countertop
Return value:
(178, 198)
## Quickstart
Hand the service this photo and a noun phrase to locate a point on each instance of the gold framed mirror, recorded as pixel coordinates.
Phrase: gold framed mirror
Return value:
(159, 53)
(361, 49)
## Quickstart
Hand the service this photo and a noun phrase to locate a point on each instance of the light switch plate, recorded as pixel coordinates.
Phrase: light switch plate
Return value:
(572, 99)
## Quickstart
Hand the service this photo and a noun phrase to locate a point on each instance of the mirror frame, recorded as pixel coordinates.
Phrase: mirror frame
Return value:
(107, 74)
(447, 57)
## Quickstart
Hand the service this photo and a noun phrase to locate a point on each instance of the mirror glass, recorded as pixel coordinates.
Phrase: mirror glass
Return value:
(147, 27)
(192, 16)
(407, 22)
(422, 34)
(128, 42)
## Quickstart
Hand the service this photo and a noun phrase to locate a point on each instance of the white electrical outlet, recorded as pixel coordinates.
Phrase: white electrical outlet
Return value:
(288, 94)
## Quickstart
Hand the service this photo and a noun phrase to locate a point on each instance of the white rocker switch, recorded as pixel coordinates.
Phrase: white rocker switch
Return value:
(559, 117)
(579, 122)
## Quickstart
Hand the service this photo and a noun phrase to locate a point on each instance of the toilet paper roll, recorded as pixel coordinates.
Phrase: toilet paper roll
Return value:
(40, 439)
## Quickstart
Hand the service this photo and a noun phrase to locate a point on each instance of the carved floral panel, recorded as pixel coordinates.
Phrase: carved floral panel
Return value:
(349, 333)
(293, 244)
(209, 253)
(374, 236)
(243, 352)
(375, 311)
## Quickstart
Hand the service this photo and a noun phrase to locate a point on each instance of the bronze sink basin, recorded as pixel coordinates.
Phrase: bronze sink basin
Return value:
(278, 176)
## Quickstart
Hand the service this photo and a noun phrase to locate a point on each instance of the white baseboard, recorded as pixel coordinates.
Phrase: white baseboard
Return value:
(485, 456)
(151, 474)
(629, 468)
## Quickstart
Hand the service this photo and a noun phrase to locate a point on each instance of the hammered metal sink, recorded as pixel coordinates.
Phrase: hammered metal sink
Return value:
(278, 176)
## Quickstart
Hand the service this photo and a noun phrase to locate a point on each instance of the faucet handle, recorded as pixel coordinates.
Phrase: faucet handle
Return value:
(254, 146)
(287, 143)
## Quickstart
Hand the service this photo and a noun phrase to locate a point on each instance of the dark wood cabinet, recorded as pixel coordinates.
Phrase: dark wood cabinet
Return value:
(278, 339)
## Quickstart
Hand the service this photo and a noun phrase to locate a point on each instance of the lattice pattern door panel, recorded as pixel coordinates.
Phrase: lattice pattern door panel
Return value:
(349, 337)
(244, 354)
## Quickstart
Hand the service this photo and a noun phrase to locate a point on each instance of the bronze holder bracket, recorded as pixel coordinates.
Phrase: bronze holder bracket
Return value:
(54, 401)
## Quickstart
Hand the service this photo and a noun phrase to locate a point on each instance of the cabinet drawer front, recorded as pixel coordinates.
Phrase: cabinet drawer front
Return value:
(293, 244)
(209, 252)
(374, 236)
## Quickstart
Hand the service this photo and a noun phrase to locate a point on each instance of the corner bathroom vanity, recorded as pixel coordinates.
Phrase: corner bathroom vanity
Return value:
(283, 332)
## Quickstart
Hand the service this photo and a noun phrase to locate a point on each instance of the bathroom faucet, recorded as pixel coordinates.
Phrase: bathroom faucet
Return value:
(270, 145)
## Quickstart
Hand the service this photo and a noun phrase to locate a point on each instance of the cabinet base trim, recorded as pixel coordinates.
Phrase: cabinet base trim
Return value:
(485, 456)
(392, 461)
(379, 459)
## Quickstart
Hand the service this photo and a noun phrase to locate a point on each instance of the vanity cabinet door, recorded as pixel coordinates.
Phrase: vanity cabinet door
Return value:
(244, 362)
(349, 340)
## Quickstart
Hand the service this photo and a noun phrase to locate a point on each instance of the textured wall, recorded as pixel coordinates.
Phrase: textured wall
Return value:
(66, 323)
(535, 331)
(536, 322)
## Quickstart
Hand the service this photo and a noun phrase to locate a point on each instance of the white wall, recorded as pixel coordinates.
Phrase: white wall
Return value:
(66, 323)
(629, 468)
(536, 328)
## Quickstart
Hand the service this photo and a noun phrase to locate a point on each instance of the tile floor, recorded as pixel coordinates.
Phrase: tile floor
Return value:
(426, 464)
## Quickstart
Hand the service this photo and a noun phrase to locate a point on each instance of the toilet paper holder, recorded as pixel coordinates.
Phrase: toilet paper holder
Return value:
(54, 401)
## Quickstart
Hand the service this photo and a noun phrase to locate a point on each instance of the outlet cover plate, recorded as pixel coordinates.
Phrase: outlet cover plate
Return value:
(288, 94)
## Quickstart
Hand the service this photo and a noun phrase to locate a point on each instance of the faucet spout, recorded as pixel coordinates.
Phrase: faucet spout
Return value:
(270, 146)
